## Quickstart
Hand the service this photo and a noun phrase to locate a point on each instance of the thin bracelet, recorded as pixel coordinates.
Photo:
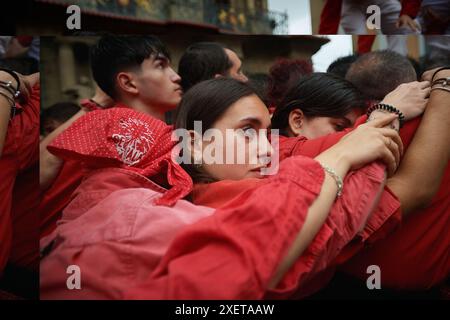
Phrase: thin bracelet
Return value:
(15, 76)
(336, 177)
(440, 88)
(440, 69)
(443, 81)
(7, 85)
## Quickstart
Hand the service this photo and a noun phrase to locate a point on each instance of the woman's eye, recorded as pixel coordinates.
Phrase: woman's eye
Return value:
(249, 132)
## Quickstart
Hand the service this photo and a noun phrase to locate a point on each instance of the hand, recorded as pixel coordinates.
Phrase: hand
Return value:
(407, 21)
(410, 98)
(370, 142)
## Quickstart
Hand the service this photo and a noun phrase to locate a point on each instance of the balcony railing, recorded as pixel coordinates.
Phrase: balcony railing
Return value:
(196, 11)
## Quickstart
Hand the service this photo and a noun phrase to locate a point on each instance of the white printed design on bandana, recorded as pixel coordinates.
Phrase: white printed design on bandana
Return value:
(134, 141)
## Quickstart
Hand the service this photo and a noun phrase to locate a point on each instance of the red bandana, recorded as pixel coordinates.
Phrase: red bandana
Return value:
(123, 137)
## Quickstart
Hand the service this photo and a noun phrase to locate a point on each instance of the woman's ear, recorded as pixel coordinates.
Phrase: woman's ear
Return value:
(126, 83)
(195, 147)
(296, 121)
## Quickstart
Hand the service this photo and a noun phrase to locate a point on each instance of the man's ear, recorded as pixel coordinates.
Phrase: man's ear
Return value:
(126, 83)
(218, 75)
(296, 122)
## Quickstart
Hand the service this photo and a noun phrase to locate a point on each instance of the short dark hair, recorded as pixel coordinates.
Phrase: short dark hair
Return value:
(60, 111)
(201, 61)
(341, 65)
(207, 101)
(318, 95)
(377, 73)
(113, 54)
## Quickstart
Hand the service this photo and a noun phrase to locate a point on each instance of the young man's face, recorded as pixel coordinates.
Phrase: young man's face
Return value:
(158, 84)
(236, 69)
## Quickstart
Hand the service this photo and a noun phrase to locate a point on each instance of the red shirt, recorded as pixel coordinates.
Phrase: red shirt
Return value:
(410, 7)
(18, 176)
(330, 17)
(414, 256)
(112, 219)
(59, 194)
(383, 220)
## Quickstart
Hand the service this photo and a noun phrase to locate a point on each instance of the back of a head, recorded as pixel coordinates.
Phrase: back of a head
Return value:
(57, 114)
(341, 65)
(113, 54)
(377, 73)
(202, 61)
(318, 95)
(282, 74)
(61, 111)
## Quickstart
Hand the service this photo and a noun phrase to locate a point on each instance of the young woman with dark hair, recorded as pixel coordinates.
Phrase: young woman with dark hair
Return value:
(316, 105)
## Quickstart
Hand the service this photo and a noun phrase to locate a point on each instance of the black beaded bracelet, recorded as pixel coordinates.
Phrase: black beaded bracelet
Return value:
(389, 108)
(16, 77)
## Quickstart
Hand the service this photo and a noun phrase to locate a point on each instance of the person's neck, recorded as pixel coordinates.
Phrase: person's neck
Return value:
(140, 106)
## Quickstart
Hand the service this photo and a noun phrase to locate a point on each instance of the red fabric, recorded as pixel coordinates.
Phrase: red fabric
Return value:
(330, 17)
(90, 105)
(25, 41)
(111, 219)
(231, 249)
(365, 43)
(113, 212)
(349, 217)
(20, 153)
(126, 138)
(414, 256)
(410, 7)
(59, 194)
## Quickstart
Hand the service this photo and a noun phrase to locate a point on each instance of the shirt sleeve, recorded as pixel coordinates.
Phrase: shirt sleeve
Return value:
(234, 253)
(348, 217)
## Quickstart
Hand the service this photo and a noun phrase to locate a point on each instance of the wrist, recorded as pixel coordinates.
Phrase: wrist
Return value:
(441, 72)
(337, 159)
(8, 77)
(395, 124)
(383, 107)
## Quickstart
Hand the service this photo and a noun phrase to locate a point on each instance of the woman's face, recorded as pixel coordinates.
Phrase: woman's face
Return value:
(246, 117)
(315, 127)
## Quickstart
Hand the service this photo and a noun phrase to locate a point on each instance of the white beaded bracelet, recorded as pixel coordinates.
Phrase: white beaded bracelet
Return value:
(336, 177)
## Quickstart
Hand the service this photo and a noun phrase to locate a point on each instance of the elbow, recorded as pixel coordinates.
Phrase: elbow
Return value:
(425, 197)
(418, 201)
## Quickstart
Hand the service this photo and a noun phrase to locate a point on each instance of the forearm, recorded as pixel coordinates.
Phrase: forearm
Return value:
(5, 112)
(49, 164)
(6, 99)
(423, 165)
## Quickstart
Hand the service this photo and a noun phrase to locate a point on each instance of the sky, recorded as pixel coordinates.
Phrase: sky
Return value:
(300, 23)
